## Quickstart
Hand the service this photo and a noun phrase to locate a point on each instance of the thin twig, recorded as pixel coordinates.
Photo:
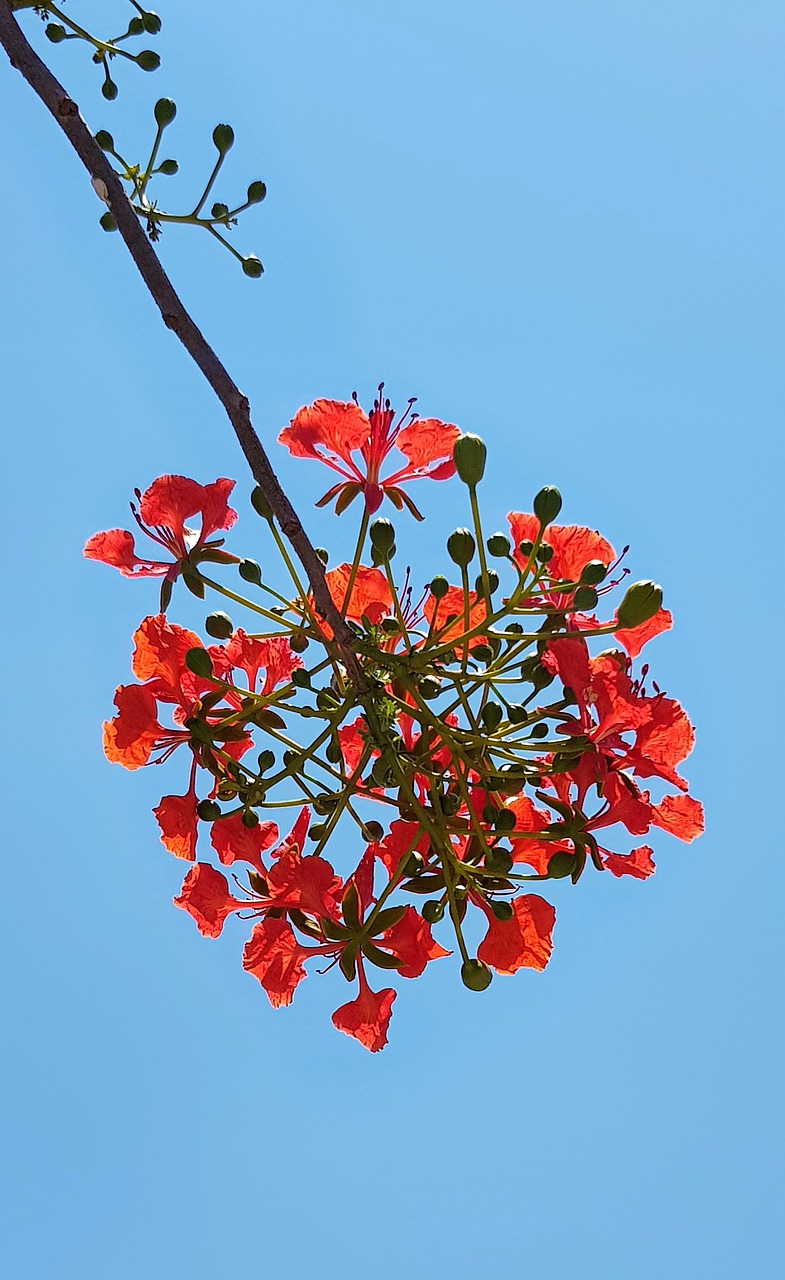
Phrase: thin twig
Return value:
(175, 316)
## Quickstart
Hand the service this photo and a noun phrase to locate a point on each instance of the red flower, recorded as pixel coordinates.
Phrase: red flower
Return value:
(205, 895)
(524, 941)
(368, 1016)
(332, 431)
(573, 545)
(162, 513)
(638, 864)
(274, 956)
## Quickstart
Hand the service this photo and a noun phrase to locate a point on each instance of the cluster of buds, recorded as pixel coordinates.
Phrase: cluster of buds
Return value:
(476, 743)
(61, 27)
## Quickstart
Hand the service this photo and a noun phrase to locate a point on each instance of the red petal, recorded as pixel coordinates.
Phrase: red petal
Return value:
(205, 895)
(681, 815)
(171, 500)
(634, 638)
(159, 655)
(367, 1018)
(116, 547)
(233, 841)
(427, 440)
(524, 942)
(309, 884)
(274, 956)
(638, 864)
(411, 941)
(335, 425)
(370, 592)
(176, 816)
(452, 602)
(129, 738)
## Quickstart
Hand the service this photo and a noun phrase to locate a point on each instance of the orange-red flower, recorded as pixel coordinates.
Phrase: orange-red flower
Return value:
(162, 513)
(356, 444)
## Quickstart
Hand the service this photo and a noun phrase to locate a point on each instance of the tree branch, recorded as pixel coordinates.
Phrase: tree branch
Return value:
(175, 316)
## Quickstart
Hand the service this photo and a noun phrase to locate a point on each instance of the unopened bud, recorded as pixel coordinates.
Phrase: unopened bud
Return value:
(475, 975)
(256, 192)
(208, 811)
(469, 453)
(641, 601)
(151, 22)
(223, 137)
(547, 505)
(165, 112)
(460, 547)
(584, 598)
(382, 535)
(260, 504)
(199, 662)
(498, 545)
(432, 911)
(54, 32)
(253, 267)
(148, 60)
(502, 910)
(560, 865)
(218, 625)
(593, 573)
(250, 572)
(105, 140)
(439, 587)
(168, 168)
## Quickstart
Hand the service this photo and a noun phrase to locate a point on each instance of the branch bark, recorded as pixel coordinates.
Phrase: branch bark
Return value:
(24, 59)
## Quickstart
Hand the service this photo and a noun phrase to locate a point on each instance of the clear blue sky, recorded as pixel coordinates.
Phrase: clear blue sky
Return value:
(560, 225)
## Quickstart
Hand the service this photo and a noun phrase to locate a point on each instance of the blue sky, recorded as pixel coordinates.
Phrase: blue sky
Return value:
(559, 225)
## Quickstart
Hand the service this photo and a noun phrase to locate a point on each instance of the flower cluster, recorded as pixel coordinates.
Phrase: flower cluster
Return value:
(485, 748)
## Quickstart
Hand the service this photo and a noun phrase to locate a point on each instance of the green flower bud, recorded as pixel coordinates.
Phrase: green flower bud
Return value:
(250, 572)
(489, 813)
(432, 911)
(105, 140)
(641, 602)
(502, 910)
(593, 573)
(165, 111)
(372, 831)
(540, 731)
(498, 545)
(250, 819)
(547, 505)
(298, 642)
(584, 598)
(333, 751)
(413, 866)
(322, 554)
(525, 548)
(460, 547)
(439, 587)
(219, 211)
(475, 975)
(151, 22)
(223, 137)
(260, 504)
(108, 221)
(469, 453)
(429, 687)
(135, 27)
(252, 266)
(256, 192)
(301, 679)
(382, 535)
(517, 713)
(148, 60)
(545, 553)
(199, 662)
(498, 861)
(491, 716)
(54, 32)
(168, 168)
(505, 820)
(560, 865)
(390, 626)
(493, 583)
(109, 89)
(218, 625)
(482, 653)
(265, 760)
(208, 810)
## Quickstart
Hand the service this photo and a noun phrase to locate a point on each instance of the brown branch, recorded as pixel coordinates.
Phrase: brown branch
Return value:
(174, 315)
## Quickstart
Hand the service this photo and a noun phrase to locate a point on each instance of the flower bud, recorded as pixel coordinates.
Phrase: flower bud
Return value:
(469, 453)
(498, 861)
(491, 716)
(475, 975)
(208, 810)
(525, 548)
(439, 587)
(151, 22)
(584, 598)
(265, 760)
(504, 820)
(168, 168)
(641, 602)
(261, 506)
(256, 192)
(252, 267)
(109, 89)
(218, 625)
(498, 545)
(223, 137)
(593, 573)
(517, 713)
(493, 583)
(250, 572)
(219, 211)
(199, 662)
(432, 911)
(413, 866)
(54, 32)
(108, 221)
(298, 643)
(165, 111)
(372, 831)
(382, 535)
(105, 140)
(560, 865)
(322, 554)
(135, 27)
(460, 547)
(249, 819)
(148, 60)
(429, 687)
(545, 553)
(502, 910)
(547, 505)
